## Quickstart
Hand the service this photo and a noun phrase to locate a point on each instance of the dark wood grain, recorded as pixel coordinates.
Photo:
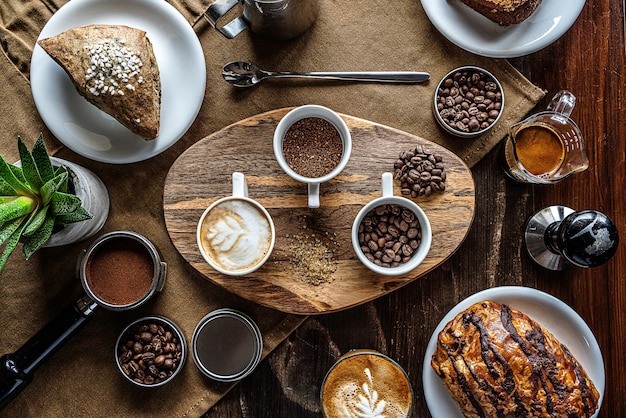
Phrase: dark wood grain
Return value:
(589, 61)
(209, 164)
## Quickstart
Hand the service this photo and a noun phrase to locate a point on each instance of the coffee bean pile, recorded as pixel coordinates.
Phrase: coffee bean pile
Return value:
(420, 172)
(389, 235)
(150, 353)
(469, 101)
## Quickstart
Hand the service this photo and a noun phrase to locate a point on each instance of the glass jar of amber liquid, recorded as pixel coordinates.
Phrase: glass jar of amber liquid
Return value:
(546, 147)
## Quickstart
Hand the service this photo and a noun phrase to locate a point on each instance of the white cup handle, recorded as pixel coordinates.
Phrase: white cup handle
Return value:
(387, 184)
(240, 186)
(314, 195)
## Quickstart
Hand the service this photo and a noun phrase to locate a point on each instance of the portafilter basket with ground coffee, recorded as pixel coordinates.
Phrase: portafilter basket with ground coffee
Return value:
(121, 270)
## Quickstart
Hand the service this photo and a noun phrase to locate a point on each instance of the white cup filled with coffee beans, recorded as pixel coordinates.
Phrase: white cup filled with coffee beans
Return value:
(236, 234)
(391, 235)
(312, 144)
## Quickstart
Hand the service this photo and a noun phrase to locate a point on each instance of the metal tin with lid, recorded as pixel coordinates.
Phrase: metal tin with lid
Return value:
(227, 345)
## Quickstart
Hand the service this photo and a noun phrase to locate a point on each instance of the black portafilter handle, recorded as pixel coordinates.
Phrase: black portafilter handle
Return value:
(586, 238)
(17, 369)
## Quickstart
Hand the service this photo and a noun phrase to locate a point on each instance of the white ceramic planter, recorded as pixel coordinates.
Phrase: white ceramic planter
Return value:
(95, 198)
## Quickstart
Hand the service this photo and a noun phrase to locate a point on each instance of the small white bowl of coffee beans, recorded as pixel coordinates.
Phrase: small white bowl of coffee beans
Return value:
(391, 235)
(468, 101)
(151, 351)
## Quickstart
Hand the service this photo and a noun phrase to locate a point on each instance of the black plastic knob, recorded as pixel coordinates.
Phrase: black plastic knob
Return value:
(586, 238)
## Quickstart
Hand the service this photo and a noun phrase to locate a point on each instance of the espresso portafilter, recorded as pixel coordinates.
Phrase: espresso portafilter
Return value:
(17, 369)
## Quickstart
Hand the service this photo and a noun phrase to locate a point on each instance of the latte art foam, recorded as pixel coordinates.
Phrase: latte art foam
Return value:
(236, 235)
(366, 385)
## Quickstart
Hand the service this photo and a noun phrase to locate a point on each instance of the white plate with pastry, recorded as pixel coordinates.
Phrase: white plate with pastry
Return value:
(475, 33)
(97, 135)
(549, 312)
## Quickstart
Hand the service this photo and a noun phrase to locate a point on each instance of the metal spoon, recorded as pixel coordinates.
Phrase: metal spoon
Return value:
(246, 74)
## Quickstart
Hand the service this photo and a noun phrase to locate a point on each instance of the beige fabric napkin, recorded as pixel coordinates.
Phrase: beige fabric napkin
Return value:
(81, 379)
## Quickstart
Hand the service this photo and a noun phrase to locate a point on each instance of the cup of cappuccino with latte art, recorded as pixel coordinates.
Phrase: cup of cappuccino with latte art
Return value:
(236, 234)
(366, 383)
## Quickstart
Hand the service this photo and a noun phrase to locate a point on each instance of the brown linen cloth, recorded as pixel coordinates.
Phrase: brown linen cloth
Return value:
(81, 379)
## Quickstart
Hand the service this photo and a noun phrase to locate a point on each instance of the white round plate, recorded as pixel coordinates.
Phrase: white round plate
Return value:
(92, 133)
(554, 315)
(475, 33)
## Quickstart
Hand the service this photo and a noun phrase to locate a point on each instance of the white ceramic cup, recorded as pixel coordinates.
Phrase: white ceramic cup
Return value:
(388, 198)
(312, 111)
(236, 234)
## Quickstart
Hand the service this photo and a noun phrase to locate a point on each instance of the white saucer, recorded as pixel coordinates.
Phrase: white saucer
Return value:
(475, 33)
(92, 133)
(554, 315)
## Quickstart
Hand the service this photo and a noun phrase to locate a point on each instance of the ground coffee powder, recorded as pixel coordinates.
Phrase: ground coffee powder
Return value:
(120, 272)
(312, 147)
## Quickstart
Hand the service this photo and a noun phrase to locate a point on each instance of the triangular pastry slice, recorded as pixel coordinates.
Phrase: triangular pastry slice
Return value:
(114, 68)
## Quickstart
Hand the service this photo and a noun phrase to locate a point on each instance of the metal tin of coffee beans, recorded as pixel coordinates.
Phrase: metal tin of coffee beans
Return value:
(468, 101)
(151, 351)
(121, 270)
(226, 345)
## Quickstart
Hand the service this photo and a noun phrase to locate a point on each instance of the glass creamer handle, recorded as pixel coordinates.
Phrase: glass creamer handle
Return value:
(563, 103)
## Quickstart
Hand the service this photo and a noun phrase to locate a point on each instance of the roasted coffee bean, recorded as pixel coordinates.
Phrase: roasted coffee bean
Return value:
(418, 170)
(402, 241)
(473, 92)
(149, 353)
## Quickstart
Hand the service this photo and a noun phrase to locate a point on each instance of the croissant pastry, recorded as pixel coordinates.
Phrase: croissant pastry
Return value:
(497, 362)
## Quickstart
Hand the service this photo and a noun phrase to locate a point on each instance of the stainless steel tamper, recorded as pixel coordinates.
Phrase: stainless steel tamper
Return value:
(558, 237)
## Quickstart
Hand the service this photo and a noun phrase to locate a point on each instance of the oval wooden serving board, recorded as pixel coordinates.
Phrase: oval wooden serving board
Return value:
(309, 240)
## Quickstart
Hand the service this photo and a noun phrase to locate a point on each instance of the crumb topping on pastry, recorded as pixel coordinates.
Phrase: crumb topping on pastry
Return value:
(113, 68)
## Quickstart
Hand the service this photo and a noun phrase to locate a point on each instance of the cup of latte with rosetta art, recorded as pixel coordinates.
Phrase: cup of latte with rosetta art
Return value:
(236, 234)
(366, 383)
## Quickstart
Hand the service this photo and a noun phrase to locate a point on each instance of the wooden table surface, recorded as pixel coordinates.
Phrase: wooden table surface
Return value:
(589, 61)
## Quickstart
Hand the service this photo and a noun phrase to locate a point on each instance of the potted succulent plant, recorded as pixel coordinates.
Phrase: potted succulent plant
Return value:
(47, 201)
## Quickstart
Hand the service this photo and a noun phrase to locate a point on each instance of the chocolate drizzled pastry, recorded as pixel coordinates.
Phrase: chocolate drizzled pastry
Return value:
(504, 12)
(497, 362)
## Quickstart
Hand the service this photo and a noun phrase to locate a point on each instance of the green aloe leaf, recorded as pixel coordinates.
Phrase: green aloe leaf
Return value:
(17, 208)
(11, 244)
(7, 199)
(35, 222)
(63, 203)
(51, 187)
(6, 189)
(8, 228)
(64, 186)
(7, 174)
(17, 172)
(80, 214)
(29, 169)
(42, 160)
(39, 238)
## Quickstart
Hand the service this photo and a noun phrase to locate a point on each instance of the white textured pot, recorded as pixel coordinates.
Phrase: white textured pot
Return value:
(95, 198)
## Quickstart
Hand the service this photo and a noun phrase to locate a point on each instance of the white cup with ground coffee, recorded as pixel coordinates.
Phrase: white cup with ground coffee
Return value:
(391, 235)
(236, 234)
(366, 383)
(312, 145)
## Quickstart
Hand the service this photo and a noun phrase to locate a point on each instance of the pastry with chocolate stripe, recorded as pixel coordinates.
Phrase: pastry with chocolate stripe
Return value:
(497, 362)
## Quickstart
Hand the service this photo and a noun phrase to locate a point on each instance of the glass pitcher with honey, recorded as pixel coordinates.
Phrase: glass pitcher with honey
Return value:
(546, 147)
